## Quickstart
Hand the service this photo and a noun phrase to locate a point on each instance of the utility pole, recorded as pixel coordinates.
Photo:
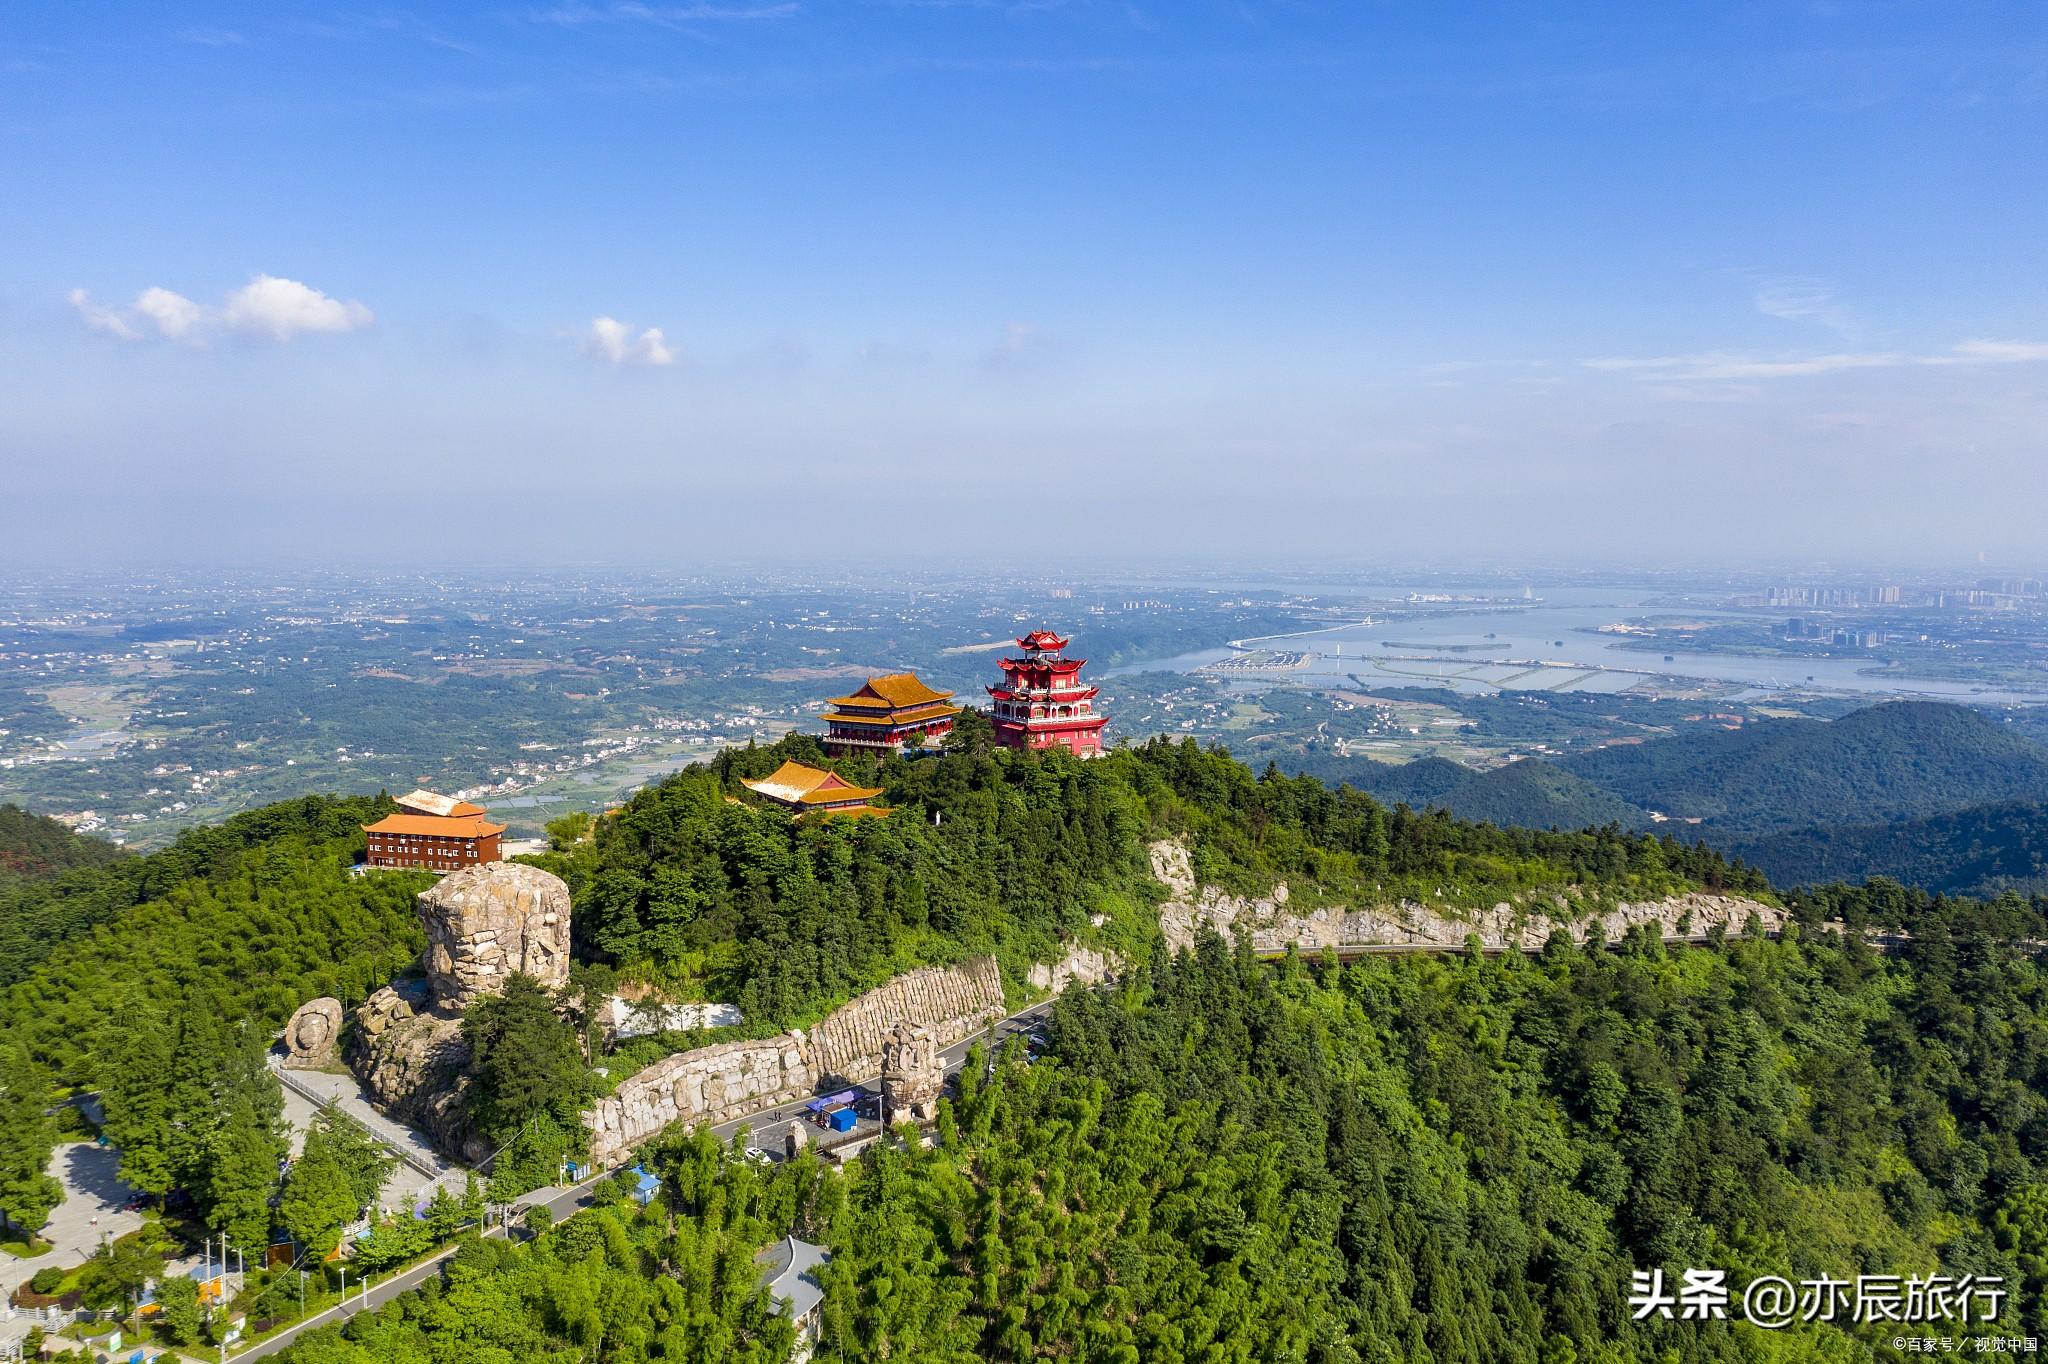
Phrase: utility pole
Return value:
(302, 1295)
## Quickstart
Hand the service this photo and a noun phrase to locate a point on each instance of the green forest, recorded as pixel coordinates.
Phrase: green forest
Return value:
(1982, 851)
(1446, 1159)
(1401, 1159)
(992, 852)
(716, 897)
(1898, 761)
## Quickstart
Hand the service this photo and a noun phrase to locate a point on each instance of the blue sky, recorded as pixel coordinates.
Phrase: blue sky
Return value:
(1392, 280)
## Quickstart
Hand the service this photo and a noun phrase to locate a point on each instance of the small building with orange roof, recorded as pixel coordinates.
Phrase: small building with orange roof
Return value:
(887, 713)
(433, 833)
(808, 790)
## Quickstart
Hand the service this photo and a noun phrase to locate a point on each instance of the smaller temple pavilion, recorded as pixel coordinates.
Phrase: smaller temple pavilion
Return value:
(885, 714)
(1042, 701)
(808, 790)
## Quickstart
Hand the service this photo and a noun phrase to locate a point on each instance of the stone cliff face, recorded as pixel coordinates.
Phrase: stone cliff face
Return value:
(733, 1079)
(483, 923)
(1080, 966)
(1190, 909)
(412, 1059)
(490, 921)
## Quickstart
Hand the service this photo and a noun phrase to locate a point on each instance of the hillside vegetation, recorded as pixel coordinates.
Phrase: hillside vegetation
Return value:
(87, 882)
(1934, 795)
(33, 845)
(1540, 795)
(992, 852)
(1452, 1159)
(1901, 760)
(160, 980)
(1984, 851)
(252, 911)
(988, 852)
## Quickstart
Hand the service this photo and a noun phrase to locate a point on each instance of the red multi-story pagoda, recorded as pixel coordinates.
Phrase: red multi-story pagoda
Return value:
(1043, 703)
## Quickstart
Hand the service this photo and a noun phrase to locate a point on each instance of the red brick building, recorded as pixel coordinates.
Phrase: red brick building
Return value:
(433, 842)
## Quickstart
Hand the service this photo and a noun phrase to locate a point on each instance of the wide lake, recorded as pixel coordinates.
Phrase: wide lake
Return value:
(1553, 645)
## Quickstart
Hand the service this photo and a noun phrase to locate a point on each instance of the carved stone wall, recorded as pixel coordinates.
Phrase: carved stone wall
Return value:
(733, 1079)
(952, 1001)
(710, 1084)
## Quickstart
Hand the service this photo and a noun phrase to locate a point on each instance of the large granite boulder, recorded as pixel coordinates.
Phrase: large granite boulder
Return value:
(489, 921)
(311, 1035)
(483, 923)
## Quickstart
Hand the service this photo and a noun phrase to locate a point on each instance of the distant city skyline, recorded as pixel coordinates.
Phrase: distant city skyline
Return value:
(1213, 282)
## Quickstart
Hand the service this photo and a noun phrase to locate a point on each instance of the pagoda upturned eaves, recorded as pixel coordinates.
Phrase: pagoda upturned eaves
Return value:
(812, 790)
(1042, 703)
(886, 714)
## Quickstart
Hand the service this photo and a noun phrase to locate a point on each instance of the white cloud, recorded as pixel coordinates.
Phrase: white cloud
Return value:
(267, 306)
(1021, 344)
(613, 340)
(284, 308)
(102, 319)
(173, 315)
(1799, 298)
(1998, 352)
(1716, 366)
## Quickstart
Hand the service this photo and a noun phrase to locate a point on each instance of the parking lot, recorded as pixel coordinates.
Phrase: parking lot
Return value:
(93, 1210)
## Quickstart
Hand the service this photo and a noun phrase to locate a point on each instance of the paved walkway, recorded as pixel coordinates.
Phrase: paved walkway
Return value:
(565, 1201)
(93, 1190)
(420, 1166)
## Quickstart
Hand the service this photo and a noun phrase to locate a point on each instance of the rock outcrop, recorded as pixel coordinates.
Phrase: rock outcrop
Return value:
(484, 923)
(311, 1035)
(1080, 966)
(411, 1057)
(717, 1084)
(490, 921)
(1190, 909)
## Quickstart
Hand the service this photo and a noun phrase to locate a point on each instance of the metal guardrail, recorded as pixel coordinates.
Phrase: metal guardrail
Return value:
(432, 1169)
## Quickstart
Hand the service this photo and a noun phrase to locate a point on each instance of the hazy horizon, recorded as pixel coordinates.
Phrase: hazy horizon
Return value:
(902, 283)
